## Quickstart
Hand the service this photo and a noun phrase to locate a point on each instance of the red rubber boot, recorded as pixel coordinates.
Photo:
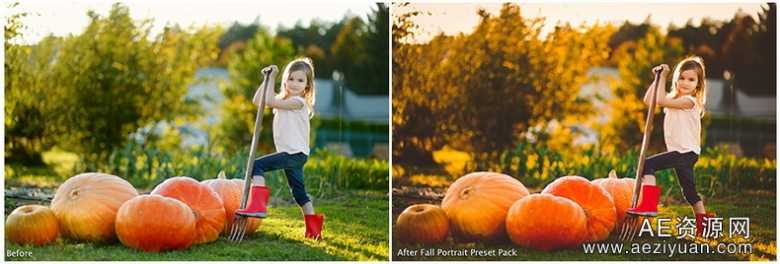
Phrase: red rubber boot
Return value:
(648, 202)
(314, 225)
(258, 197)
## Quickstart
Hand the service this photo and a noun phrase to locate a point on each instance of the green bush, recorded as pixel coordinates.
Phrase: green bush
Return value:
(716, 172)
(325, 173)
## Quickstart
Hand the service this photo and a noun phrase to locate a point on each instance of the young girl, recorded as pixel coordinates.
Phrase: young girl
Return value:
(293, 107)
(683, 108)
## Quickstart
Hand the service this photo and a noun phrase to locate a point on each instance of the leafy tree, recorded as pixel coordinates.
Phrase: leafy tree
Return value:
(374, 70)
(360, 52)
(238, 113)
(315, 41)
(635, 60)
(485, 91)
(749, 51)
(28, 71)
(90, 91)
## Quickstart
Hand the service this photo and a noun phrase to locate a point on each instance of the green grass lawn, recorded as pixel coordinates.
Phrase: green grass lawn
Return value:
(355, 229)
(759, 206)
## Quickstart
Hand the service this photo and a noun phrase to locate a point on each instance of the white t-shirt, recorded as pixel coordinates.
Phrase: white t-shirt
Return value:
(291, 129)
(682, 128)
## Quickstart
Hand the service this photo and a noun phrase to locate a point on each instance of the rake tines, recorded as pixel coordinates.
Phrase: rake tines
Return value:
(238, 229)
(632, 225)
(629, 228)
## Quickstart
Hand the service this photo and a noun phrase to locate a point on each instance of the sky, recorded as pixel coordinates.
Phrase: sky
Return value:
(455, 18)
(70, 17)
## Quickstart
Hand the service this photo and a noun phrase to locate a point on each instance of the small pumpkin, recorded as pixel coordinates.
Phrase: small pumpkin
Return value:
(230, 191)
(155, 223)
(86, 205)
(32, 225)
(546, 222)
(423, 223)
(476, 205)
(209, 212)
(621, 190)
(597, 203)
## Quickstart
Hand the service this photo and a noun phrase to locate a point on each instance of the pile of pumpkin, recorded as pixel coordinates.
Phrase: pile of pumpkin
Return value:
(97, 207)
(484, 206)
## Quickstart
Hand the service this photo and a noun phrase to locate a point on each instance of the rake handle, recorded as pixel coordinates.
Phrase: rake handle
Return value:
(255, 138)
(645, 140)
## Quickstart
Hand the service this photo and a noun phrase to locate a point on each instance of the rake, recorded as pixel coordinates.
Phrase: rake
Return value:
(632, 222)
(238, 229)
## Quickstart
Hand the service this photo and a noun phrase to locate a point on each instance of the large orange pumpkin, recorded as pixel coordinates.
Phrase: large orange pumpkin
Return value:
(476, 205)
(423, 223)
(230, 191)
(597, 203)
(32, 224)
(621, 190)
(210, 214)
(546, 222)
(155, 223)
(86, 205)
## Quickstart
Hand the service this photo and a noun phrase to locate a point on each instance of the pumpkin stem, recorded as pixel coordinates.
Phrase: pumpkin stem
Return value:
(612, 174)
(74, 194)
(221, 175)
(464, 194)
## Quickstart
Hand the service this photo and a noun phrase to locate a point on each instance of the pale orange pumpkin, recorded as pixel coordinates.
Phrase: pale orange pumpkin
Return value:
(155, 223)
(423, 223)
(209, 212)
(86, 205)
(32, 225)
(476, 205)
(597, 203)
(621, 190)
(230, 191)
(546, 222)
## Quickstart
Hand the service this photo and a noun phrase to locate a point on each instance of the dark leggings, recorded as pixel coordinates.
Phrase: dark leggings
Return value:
(292, 164)
(683, 167)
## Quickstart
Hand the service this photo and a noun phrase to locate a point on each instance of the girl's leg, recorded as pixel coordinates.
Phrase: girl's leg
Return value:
(660, 161)
(650, 193)
(687, 181)
(258, 194)
(265, 163)
(314, 222)
(698, 208)
(685, 177)
(295, 180)
(308, 208)
(258, 180)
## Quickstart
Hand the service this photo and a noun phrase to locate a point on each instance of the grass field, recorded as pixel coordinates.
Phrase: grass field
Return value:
(355, 229)
(759, 206)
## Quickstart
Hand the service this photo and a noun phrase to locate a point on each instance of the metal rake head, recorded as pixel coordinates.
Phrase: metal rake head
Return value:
(238, 229)
(630, 227)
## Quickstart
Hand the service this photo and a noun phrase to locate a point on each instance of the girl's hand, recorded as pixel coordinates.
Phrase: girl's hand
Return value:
(663, 68)
(272, 69)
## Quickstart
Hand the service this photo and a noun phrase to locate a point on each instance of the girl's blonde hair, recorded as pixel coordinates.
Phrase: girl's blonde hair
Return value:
(696, 64)
(309, 93)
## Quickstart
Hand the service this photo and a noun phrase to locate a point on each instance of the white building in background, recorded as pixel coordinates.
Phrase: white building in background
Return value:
(370, 109)
(367, 108)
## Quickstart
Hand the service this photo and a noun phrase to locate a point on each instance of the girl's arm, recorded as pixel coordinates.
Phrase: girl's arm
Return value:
(259, 93)
(270, 96)
(679, 102)
(661, 91)
(285, 103)
(661, 99)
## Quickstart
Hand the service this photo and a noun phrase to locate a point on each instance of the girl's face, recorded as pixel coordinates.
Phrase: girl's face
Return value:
(296, 83)
(687, 83)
